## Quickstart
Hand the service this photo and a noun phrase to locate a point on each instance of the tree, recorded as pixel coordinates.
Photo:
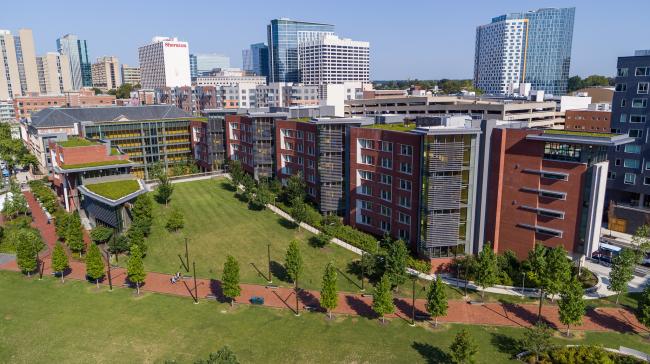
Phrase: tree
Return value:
(571, 305)
(263, 195)
(436, 299)
(61, 219)
(230, 279)
(15, 203)
(94, 264)
(249, 187)
(321, 240)
(622, 271)
(60, 260)
(382, 299)
(641, 240)
(236, 173)
(396, 257)
(223, 356)
(537, 339)
(100, 234)
(135, 268)
(558, 270)
(328, 295)
(487, 268)
(143, 213)
(136, 238)
(165, 189)
(293, 261)
(295, 189)
(74, 235)
(643, 308)
(176, 221)
(463, 348)
(26, 251)
(118, 245)
(298, 212)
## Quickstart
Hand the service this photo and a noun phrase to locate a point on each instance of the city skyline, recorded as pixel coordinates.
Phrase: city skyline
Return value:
(443, 54)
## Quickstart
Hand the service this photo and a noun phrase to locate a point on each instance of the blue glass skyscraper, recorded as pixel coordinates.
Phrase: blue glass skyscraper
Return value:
(260, 59)
(80, 66)
(284, 36)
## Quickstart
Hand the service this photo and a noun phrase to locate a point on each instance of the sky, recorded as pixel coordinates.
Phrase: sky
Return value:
(423, 39)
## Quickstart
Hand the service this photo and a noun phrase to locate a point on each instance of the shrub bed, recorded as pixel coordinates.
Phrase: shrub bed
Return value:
(581, 355)
(44, 195)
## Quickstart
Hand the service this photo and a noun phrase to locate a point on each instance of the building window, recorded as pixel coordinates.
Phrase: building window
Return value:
(311, 164)
(366, 205)
(405, 184)
(403, 234)
(630, 179)
(617, 162)
(311, 137)
(366, 190)
(621, 72)
(406, 149)
(299, 148)
(310, 150)
(365, 219)
(386, 211)
(646, 181)
(563, 152)
(620, 87)
(611, 175)
(405, 167)
(639, 103)
(365, 175)
(405, 201)
(386, 179)
(632, 148)
(300, 160)
(557, 176)
(386, 195)
(642, 71)
(630, 163)
(366, 144)
(386, 146)
(623, 103)
(635, 133)
(642, 88)
(366, 159)
(299, 134)
(404, 218)
(385, 225)
(637, 118)
(647, 166)
(622, 118)
(387, 163)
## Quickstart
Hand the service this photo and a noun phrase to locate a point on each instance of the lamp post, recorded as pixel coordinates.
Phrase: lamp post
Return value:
(414, 278)
(110, 279)
(362, 271)
(523, 283)
(268, 250)
(196, 292)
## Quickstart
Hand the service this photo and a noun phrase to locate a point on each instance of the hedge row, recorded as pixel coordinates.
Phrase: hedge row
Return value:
(45, 195)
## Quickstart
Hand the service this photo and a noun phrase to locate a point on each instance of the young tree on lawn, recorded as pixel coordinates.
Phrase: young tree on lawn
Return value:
(275, 186)
(643, 308)
(136, 237)
(328, 295)
(538, 269)
(94, 264)
(558, 270)
(382, 298)
(487, 268)
(537, 339)
(263, 196)
(165, 189)
(293, 261)
(176, 221)
(463, 349)
(298, 212)
(230, 279)
(60, 260)
(74, 235)
(396, 257)
(236, 173)
(622, 271)
(249, 186)
(571, 305)
(295, 189)
(118, 245)
(26, 252)
(223, 356)
(436, 299)
(135, 268)
(100, 234)
(143, 213)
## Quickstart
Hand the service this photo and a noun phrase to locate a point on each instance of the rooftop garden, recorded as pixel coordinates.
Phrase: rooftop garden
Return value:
(115, 151)
(393, 127)
(96, 164)
(114, 190)
(579, 133)
(77, 142)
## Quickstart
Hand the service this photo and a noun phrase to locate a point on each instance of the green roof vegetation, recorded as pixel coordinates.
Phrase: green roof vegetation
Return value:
(115, 151)
(77, 142)
(116, 189)
(302, 120)
(95, 164)
(393, 127)
(579, 133)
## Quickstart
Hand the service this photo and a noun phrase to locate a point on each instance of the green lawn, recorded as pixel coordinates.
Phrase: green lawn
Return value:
(114, 190)
(217, 224)
(45, 321)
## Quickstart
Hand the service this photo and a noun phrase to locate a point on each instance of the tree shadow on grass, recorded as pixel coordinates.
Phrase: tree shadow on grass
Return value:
(360, 307)
(505, 344)
(406, 307)
(280, 272)
(287, 224)
(308, 299)
(227, 186)
(352, 281)
(217, 291)
(431, 354)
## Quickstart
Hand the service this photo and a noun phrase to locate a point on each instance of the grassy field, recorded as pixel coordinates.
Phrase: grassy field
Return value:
(45, 321)
(217, 224)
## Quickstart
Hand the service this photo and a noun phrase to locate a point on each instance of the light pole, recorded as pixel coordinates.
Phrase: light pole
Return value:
(362, 271)
(110, 279)
(414, 278)
(523, 283)
(268, 250)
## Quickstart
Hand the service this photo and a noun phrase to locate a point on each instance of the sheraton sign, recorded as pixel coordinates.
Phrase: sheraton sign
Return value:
(175, 45)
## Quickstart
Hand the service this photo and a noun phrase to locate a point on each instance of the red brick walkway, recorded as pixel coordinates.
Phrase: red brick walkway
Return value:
(601, 319)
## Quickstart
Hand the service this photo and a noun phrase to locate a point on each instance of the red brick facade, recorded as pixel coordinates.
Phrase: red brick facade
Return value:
(588, 120)
(517, 190)
(239, 140)
(296, 152)
(382, 198)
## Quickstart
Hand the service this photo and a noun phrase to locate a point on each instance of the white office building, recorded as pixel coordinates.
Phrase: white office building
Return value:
(54, 74)
(106, 73)
(18, 74)
(130, 75)
(229, 77)
(333, 60)
(165, 63)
